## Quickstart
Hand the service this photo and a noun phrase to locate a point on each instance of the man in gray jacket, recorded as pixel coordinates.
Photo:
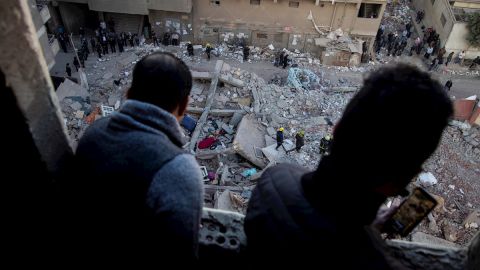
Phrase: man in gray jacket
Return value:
(141, 194)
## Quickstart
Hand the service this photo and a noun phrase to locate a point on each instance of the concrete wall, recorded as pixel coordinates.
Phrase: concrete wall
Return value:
(119, 6)
(180, 22)
(26, 73)
(456, 41)
(169, 5)
(277, 23)
(433, 15)
(467, 4)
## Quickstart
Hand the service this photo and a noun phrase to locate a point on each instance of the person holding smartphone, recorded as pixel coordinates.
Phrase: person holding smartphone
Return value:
(325, 217)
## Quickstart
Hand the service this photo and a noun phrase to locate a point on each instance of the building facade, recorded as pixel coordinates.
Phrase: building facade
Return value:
(41, 19)
(282, 23)
(285, 24)
(448, 19)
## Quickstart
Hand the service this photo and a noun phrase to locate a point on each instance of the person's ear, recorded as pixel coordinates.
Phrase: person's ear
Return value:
(182, 108)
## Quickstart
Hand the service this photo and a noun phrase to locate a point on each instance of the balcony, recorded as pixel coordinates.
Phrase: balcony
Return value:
(44, 13)
(222, 236)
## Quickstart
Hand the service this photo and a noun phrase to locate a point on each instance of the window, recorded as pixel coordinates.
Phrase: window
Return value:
(369, 10)
(255, 2)
(262, 35)
(293, 4)
(214, 3)
(278, 37)
(443, 20)
(215, 30)
(433, 2)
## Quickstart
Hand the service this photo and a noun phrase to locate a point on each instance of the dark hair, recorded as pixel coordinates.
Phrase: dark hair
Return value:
(161, 79)
(392, 125)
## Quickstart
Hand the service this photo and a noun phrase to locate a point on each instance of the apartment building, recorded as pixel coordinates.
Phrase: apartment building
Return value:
(448, 19)
(283, 23)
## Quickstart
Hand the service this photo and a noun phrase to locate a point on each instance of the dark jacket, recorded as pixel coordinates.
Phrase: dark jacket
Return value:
(299, 141)
(279, 136)
(282, 226)
(140, 192)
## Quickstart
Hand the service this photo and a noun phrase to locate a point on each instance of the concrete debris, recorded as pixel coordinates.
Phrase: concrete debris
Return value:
(107, 110)
(71, 89)
(421, 237)
(427, 179)
(249, 135)
(302, 79)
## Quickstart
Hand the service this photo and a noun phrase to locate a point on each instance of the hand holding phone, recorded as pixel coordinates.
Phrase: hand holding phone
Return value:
(410, 212)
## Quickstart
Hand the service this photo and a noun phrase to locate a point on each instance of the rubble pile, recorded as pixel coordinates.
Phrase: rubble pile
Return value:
(237, 141)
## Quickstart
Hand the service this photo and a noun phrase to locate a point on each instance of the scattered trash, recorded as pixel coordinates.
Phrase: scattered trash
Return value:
(249, 172)
(427, 179)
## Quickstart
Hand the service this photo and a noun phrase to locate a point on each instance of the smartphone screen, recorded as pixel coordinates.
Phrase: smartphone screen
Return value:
(411, 212)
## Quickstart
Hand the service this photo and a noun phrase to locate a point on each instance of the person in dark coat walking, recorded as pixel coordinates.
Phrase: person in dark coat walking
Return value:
(279, 137)
(68, 69)
(285, 61)
(246, 53)
(76, 63)
(448, 85)
(139, 194)
(299, 141)
(299, 216)
(93, 44)
(449, 58)
(120, 45)
(99, 50)
(281, 58)
(190, 49)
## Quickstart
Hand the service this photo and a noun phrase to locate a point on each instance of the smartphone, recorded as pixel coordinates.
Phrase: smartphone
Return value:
(410, 212)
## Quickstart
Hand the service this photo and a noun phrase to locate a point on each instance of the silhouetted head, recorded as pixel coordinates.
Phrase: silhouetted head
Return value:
(391, 126)
(163, 80)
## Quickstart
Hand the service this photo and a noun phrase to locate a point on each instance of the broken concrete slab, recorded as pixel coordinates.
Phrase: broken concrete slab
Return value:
(245, 101)
(421, 237)
(236, 118)
(271, 131)
(76, 106)
(272, 154)
(201, 75)
(71, 89)
(269, 140)
(232, 81)
(224, 201)
(250, 134)
(227, 128)
(288, 145)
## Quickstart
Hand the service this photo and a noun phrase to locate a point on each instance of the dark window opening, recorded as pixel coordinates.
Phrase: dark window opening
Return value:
(278, 37)
(443, 20)
(214, 3)
(369, 11)
(255, 2)
(293, 4)
(215, 30)
(262, 35)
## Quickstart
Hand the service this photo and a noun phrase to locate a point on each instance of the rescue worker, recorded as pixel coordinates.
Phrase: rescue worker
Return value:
(190, 49)
(279, 137)
(325, 143)
(208, 50)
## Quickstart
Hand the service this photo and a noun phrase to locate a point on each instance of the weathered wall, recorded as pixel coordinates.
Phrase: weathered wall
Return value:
(169, 5)
(180, 22)
(467, 4)
(25, 69)
(119, 6)
(277, 23)
(456, 41)
(433, 15)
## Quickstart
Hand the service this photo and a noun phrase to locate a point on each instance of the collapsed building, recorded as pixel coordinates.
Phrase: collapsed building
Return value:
(293, 25)
(241, 111)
